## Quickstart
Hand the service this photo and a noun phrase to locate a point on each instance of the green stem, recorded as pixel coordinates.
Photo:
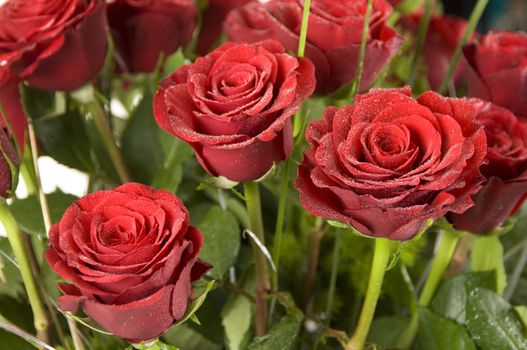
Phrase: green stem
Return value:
(75, 334)
(303, 29)
(362, 51)
(471, 26)
(254, 209)
(280, 218)
(447, 245)
(333, 278)
(421, 37)
(517, 273)
(14, 236)
(99, 118)
(381, 256)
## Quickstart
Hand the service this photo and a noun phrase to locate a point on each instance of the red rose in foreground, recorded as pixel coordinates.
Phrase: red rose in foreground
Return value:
(213, 18)
(333, 37)
(505, 170)
(54, 44)
(234, 107)
(145, 29)
(444, 33)
(498, 70)
(388, 163)
(131, 257)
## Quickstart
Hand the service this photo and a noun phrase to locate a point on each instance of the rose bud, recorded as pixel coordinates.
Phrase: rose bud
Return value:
(498, 70)
(333, 37)
(389, 163)
(505, 170)
(443, 35)
(9, 162)
(131, 258)
(55, 44)
(234, 107)
(212, 22)
(144, 30)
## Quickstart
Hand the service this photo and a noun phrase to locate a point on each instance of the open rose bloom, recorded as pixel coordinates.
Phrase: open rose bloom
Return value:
(53, 44)
(235, 105)
(333, 37)
(392, 157)
(130, 256)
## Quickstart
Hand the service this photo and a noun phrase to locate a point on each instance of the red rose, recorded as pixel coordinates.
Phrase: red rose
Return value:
(443, 35)
(389, 163)
(55, 44)
(234, 107)
(498, 71)
(145, 29)
(333, 36)
(505, 170)
(131, 257)
(212, 22)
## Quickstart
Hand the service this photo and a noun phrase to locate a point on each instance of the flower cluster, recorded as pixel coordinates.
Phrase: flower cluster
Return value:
(250, 90)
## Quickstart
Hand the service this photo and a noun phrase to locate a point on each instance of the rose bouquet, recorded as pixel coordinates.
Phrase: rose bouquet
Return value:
(280, 174)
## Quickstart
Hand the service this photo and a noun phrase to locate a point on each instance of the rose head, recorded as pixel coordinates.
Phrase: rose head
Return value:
(333, 36)
(213, 18)
(505, 170)
(498, 70)
(443, 35)
(53, 44)
(131, 257)
(389, 163)
(145, 29)
(234, 107)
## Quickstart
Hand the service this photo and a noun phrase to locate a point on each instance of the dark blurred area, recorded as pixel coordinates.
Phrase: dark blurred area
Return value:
(502, 14)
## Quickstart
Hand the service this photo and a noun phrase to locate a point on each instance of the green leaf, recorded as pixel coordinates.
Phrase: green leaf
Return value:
(188, 338)
(237, 315)
(174, 61)
(170, 174)
(280, 337)
(140, 145)
(386, 330)
(487, 255)
(439, 333)
(37, 103)
(29, 215)
(283, 335)
(11, 341)
(196, 303)
(451, 298)
(64, 138)
(492, 322)
(222, 240)
(521, 311)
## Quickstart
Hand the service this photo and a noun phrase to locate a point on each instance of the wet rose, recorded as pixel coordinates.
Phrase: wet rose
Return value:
(144, 30)
(234, 107)
(333, 37)
(213, 17)
(505, 170)
(53, 44)
(498, 70)
(130, 257)
(389, 163)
